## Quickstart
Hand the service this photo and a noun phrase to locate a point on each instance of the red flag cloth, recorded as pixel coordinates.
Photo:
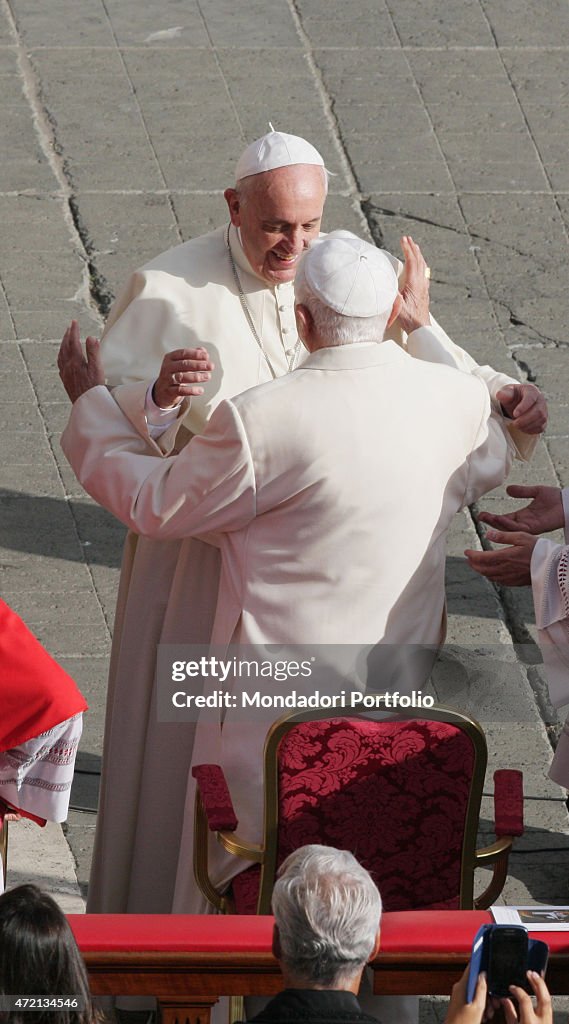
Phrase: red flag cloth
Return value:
(36, 694)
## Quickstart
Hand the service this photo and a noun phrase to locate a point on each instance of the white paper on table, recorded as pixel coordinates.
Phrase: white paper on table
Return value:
(535, 919)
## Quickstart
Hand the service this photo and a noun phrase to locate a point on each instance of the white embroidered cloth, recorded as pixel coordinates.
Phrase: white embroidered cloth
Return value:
(36, 776)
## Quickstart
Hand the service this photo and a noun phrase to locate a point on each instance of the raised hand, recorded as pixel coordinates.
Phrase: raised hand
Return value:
(544, 512)
(79, 374)
(526, 405)
(414, 312)
(180, 373)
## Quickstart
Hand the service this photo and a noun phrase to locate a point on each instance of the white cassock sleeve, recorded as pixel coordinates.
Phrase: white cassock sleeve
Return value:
(492, 453)
(434, 346)
(550, 586)
(209, 488)
(146, 322)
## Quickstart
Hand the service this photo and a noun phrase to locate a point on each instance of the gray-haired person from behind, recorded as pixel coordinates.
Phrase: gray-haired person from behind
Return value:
(327, 915)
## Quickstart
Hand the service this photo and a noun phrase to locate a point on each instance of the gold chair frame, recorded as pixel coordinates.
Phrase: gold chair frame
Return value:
(265, 854)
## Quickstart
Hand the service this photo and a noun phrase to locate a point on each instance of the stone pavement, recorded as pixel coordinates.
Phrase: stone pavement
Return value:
(121, 123)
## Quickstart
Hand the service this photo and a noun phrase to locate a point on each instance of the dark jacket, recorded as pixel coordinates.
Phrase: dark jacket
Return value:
(313, 1006)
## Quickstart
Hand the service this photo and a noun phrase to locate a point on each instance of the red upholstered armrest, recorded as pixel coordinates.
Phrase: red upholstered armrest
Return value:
(508, 802)
(216, 797)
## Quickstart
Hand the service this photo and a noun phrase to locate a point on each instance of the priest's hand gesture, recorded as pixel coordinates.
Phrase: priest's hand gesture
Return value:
(510, 566)
(79, 373)
(180, 374)
(544, 512)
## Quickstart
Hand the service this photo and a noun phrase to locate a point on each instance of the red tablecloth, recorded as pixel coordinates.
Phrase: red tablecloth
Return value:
(412, 931)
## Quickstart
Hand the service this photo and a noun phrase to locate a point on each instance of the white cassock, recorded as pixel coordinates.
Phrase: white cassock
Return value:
(168, 589)
(310, 484)
(550, 585)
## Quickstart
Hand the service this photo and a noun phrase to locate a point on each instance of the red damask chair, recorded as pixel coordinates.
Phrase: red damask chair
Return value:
(401, 793)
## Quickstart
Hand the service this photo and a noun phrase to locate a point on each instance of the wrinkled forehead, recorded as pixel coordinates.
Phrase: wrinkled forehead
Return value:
(297, 189)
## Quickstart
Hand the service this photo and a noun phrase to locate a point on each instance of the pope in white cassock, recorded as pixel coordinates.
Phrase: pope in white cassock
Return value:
(307, 507)
(231, 291)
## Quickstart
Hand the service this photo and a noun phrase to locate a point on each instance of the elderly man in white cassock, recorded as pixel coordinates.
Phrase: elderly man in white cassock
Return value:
(232, 291)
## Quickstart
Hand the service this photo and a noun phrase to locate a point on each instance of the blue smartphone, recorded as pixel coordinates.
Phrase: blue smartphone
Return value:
(505, 952)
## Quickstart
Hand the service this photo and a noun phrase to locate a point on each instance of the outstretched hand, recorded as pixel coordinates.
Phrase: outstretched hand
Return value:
(180, 374)
(525, 404)
(79, 373)
(544, 512)
(509, 566)
(414, 311)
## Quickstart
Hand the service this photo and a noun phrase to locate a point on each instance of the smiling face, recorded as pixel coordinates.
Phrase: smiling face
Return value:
(279, 213)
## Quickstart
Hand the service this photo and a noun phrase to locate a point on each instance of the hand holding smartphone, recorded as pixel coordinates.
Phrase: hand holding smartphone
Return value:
(505, 953)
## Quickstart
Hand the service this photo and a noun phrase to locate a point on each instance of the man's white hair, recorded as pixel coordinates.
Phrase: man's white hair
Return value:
(327, 909)
(333, 327)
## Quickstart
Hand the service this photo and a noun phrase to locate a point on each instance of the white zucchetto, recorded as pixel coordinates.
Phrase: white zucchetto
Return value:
(350, 275)
(276, 149)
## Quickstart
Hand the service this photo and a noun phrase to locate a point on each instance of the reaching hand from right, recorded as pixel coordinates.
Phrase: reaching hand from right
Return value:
(180, 373)
(543, 514)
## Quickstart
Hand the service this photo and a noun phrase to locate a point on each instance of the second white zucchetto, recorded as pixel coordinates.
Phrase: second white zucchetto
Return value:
(350, 275)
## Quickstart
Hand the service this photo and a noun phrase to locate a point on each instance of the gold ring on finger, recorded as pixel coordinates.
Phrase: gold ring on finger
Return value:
(427, 273)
